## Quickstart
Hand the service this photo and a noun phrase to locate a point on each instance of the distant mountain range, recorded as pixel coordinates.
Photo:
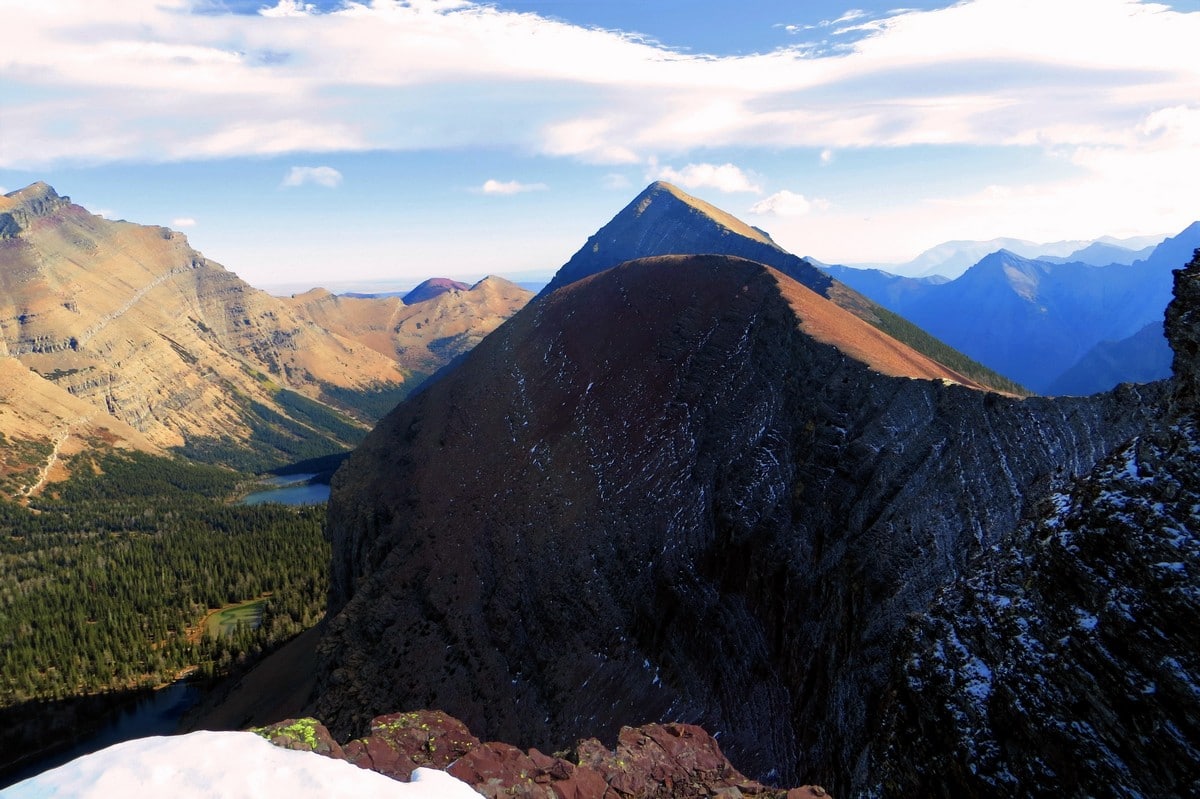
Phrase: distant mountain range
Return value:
(118, 334)
(950, 259)
(1038, 321)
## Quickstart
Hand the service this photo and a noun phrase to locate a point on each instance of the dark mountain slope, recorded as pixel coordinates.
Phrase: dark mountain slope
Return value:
(663, 220)
(1067, 662)
(652, 495)
(1141, 358)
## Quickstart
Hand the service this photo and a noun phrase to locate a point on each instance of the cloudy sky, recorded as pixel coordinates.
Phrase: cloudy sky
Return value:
(335, 141)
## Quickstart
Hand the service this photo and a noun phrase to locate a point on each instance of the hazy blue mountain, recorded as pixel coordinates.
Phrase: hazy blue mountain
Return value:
(1100, 253)
(1140, 358)
(950, 259)
(1032, 320)
(879, 284)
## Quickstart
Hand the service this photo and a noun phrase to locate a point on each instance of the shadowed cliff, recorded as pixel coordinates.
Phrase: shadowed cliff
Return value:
(667, 492)
(1066, 661)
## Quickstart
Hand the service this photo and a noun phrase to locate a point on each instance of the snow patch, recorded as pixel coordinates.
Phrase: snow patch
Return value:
(230, 765)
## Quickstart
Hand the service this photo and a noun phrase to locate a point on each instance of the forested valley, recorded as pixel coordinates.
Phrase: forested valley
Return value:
(106, 579)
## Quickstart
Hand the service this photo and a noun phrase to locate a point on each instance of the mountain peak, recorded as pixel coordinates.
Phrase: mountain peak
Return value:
(17, 208)
(434, 286)
(665, 220)
(726, 220)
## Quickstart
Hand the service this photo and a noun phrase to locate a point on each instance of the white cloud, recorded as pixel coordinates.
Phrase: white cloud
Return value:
(1108, 86)
(288, 8)
(724, 177)
(491, 186)
(177, 85)
(787, 203)
(183, 221)
(325, 176)
(826, 156)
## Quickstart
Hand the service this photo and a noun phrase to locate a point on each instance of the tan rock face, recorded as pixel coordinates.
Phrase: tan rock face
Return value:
(165, 346)
(421, 337)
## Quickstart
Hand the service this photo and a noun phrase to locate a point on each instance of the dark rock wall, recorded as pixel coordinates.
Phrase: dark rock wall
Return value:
(1067, 662)
(651, 497)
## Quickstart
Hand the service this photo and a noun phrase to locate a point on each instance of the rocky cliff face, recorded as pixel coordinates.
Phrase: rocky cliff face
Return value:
(653, 495)
(134, 336)
(1067, 661)
(134, 322)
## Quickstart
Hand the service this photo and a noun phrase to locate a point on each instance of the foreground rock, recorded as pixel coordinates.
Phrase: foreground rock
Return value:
(1067, 661)
(676, 490)
(655, 761)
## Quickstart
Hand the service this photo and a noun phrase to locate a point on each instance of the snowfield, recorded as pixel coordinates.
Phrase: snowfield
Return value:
(225, 765)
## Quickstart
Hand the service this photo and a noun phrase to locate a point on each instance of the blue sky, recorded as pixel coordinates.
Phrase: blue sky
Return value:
(330, 143)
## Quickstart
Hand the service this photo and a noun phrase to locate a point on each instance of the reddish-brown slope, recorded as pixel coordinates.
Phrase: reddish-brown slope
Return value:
(831, 324)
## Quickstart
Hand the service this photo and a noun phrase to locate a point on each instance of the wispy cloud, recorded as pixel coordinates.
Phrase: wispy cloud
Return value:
(722, 177)
(510, 187)
(288, 8)
(137, 81)
(787, 203)
(176, 85)
(183, 221)
(325, 176)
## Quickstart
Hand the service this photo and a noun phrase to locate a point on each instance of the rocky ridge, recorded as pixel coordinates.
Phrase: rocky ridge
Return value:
(664, 220)
(652, 495)
(1066, 661)
(139, 339)
(424, 330)
(131, 320)
(655, 761)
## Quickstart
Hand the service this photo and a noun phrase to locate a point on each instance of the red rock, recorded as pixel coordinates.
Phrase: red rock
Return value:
(401, 742)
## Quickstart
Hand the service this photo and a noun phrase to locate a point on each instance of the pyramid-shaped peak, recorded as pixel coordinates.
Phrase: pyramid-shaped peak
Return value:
(665, 220)
(660, 189)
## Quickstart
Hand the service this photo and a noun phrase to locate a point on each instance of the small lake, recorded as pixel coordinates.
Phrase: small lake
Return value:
(290, 489)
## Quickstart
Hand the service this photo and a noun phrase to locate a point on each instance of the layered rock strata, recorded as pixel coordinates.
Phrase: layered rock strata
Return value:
(653, 495)
(1067, 661)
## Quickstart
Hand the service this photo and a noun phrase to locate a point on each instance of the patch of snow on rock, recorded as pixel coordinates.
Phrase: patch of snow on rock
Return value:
(229, 765)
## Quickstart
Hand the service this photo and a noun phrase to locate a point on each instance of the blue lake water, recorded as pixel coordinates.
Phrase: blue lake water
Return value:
(291, 489)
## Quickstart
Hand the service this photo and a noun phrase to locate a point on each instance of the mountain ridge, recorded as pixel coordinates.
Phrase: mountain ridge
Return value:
(640, 470)
(1033, 320)
(134, 322)
(664, 220)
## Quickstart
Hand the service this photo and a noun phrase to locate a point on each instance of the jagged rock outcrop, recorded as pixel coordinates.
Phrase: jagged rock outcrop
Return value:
(1066, 661)
(655, 761)
(653, 495)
